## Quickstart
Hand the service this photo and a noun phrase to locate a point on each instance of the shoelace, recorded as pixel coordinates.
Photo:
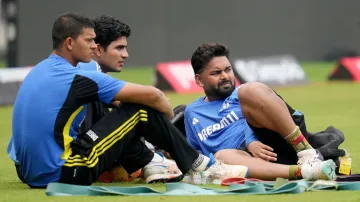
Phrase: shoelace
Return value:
(219, 164)
(309, 159)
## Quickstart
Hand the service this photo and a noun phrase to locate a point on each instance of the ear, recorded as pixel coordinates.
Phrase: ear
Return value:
(69, 43)
(198, 80)
(98, 50)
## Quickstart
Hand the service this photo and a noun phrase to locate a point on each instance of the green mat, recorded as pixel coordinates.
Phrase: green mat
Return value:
(280, 186)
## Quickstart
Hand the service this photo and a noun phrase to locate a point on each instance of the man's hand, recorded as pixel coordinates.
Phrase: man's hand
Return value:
(260, 150)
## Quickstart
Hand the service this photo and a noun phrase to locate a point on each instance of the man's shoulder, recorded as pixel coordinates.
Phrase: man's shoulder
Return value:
(194, 104)
(102, 80)
(92, 75)
(236, 90)
(48, 63)
(89, 66)
(54, 61)
(47, 70)
(234, 94)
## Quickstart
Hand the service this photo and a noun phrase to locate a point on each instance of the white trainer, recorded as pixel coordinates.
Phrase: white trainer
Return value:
(216, 173)
(162, 170)
(319, 170)
(308, 156)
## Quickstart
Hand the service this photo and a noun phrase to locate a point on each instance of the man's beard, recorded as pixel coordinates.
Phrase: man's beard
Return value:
(221, 92)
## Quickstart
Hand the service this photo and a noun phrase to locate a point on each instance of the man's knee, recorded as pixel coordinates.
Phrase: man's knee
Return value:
(253, 89)
(254, 93)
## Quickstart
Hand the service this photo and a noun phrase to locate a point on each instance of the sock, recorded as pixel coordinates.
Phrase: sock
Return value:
(295, 172)
(202, 163)
(298, 141)
(157, 158)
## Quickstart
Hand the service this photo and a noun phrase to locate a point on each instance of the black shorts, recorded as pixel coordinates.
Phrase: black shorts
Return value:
(110, 138)
(116, 139)
(285, 152)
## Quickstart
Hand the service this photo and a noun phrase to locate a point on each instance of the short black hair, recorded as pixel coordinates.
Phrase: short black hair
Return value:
(109, 29)
(69, 25)
(205, 53)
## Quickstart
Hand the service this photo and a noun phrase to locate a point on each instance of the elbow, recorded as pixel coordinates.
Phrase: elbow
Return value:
(155, 95)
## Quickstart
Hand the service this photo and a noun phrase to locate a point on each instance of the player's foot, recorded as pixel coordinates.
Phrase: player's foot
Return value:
(215, 173)
(308, 156)
(319, 170)
(162, 170)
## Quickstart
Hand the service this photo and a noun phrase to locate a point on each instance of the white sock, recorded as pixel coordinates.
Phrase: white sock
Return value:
(150, 146)
(306, 171)
(157, 158)
(201, 163)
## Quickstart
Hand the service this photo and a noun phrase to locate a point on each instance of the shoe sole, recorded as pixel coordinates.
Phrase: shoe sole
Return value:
(163, 178)
(328, 169)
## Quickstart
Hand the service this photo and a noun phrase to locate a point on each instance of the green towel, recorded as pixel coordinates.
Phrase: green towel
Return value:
(279, 186)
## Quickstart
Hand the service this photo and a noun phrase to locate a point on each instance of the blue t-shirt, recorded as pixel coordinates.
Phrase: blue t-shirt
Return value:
(48, 101)
(89, 66)
(216, 125)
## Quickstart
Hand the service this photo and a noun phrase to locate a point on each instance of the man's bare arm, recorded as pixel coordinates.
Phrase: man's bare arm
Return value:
(145, 95)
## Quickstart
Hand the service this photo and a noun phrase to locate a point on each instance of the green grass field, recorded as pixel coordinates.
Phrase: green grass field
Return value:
(323, 104)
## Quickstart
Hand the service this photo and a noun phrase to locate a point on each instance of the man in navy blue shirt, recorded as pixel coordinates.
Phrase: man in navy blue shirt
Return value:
(46, 144)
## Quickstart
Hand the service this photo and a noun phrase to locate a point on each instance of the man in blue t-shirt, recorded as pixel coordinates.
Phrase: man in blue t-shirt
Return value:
(46, 144)
(225, 119)
(110, 56)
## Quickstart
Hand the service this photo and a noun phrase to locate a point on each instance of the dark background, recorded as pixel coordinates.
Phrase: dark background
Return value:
(166, 30)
